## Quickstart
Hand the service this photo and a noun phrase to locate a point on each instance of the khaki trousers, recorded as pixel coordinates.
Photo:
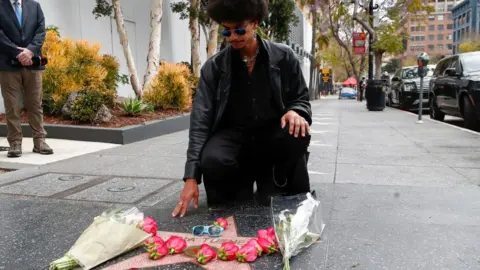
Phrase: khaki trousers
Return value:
(12, 84)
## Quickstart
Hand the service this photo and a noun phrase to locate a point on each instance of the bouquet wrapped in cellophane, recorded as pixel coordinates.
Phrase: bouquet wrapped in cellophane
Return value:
(298, 223)
(112, 233)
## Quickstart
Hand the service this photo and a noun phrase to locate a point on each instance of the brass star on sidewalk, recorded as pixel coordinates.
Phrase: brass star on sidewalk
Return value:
(230, 234)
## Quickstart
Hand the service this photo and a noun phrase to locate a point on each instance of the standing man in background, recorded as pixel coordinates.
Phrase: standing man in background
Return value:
(22, 34)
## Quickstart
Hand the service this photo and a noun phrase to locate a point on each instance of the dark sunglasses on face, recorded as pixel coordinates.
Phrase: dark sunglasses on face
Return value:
(238, 31)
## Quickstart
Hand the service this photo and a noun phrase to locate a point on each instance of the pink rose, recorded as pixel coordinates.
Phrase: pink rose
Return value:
(254, 242)
(158, 252)
(221, 222)
(268, 234)
(176, 244)
(267, 246)
(247, 253)
(205, 254)
(150, 226)
(152, 242)
(271, 233)
(227, 251)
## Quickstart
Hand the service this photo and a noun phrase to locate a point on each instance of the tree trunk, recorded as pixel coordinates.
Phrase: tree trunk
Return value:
(153, 57)
(378, 64)
(195, 38)
(314, 41)
(122, 33)
(212, 39)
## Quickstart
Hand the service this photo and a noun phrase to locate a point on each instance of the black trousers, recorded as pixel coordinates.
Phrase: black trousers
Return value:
(233, 160)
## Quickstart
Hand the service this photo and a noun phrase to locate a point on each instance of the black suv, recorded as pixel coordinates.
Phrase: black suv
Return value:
(455, 89)
(405, 87)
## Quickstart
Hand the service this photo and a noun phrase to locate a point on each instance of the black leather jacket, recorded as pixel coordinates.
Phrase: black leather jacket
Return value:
(289, 91)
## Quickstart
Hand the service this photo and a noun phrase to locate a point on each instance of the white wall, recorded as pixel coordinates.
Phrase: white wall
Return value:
(307, 45)
(75, 20)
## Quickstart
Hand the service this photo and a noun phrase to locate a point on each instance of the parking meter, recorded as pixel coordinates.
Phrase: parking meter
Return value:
(422, 61)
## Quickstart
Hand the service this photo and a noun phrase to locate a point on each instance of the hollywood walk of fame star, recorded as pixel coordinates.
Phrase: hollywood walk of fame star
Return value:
(230, 234)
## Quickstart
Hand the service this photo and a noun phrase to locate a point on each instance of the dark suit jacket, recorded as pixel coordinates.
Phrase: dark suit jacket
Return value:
(12, 35)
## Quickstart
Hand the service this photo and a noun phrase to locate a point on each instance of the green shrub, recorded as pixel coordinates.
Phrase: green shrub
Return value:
(171, 88)
(77, 65)
(86, 106)
(134, 107)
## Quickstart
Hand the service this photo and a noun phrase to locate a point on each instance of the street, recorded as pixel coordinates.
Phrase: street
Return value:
(395, 195)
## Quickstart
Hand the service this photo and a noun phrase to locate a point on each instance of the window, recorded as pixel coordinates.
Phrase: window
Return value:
(412, 29)
(449, 7)
(468, 17)
(450, 46)
(440, 17)
(440, 37)
(431, 37)
(422, 28)
(450, 16)
(440, 47)
(440, 27)
(449, 37)
(449, 26)
(431, 28)
(440, 9)
(431, 18)
(431, 47)
(412, 38)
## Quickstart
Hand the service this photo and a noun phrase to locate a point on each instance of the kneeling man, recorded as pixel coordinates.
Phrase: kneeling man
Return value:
(251, 115)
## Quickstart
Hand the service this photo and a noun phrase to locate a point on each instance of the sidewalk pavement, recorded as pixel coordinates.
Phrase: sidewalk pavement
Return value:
(395, 195)
(63, 149)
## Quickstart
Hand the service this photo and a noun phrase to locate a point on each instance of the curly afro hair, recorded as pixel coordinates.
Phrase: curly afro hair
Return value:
(237, 10)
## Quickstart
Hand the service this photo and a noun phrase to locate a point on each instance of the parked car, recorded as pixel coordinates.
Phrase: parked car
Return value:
(455, 89)
(347, 92)
(405, 87)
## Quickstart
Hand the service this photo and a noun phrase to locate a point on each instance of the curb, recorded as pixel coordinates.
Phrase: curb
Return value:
(124, 135)
(439, 122)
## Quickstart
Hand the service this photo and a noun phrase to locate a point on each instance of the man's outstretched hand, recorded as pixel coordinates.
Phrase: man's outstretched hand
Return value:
(297, 124)
(190, 191)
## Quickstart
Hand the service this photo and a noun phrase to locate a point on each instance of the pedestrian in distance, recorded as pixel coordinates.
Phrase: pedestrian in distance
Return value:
(251, 116)
(22, 34)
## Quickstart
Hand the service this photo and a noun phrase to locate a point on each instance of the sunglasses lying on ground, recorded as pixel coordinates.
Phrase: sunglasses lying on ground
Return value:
(238, 31)
(214, 231)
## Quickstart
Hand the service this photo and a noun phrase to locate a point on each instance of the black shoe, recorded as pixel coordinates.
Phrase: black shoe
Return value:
(42, 148)
(15, 151)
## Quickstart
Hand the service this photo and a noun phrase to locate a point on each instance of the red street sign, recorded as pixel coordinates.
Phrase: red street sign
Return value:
(359, 41)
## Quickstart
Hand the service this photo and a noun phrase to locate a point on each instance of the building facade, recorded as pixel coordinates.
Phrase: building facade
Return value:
(465, 22)
(432, 34)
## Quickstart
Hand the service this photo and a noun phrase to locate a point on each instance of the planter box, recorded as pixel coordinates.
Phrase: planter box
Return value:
(124, 135)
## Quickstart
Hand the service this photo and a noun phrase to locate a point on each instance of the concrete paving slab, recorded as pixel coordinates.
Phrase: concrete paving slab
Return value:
(166, 167)
(400, 175)
(46, 185)
(466, 160)
(472, 174)
(85, 164)
(397, 158)
(120, 190)
(63, 149)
